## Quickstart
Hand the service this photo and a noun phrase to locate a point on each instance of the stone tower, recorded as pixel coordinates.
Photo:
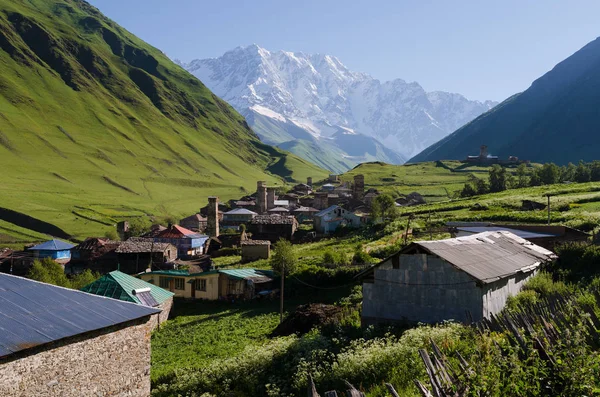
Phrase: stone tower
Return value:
(309, 181)
(212, 219)
(123, 230)
(270, 198)
(261, 197)
(358, 189)
(321, 200)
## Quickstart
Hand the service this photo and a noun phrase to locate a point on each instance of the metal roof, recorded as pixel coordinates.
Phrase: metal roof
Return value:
(326, 210)
(487, 256)
(118, 285)
(34, 313)
(249, 274)
(52, 245)
(240, 211)
(521, 233)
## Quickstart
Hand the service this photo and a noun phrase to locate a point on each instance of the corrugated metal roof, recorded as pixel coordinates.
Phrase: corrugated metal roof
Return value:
(488, 256)
(521, 233)
(240, 211)
(34, 313)
(248, 274)
(52, 245)
(118, 285)
(326, 210)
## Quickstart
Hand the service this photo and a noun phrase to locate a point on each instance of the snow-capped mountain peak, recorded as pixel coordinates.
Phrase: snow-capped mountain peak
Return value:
(318, 94)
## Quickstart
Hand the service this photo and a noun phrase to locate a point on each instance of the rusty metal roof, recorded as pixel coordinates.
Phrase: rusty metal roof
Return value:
(34, 313)
(488, 256)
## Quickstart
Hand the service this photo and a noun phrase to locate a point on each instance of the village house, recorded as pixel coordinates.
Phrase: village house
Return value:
(279, 211)
(253, 250)
(291, 198)
(547, 236)
(54, 249)
(246, 204)
(305, 213)
(61, 342)
(328, 187)
(273, 227)
(195, 223)
(94, 253)
(302, 189)
(121, 286)
(189, 244)
(329, 219)
(137, 254)
(236, 217)
(466, 278)
(212, 285)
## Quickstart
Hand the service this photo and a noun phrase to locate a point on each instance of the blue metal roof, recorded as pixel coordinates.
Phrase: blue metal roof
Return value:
(34, 313)
(52, 245)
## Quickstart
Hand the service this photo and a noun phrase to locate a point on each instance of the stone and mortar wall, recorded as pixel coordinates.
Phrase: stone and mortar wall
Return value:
(254, 252)
(99, 364)
(166, 309)
(425, 289)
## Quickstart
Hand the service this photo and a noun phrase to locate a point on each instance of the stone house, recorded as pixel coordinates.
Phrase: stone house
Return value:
(253, 250)
(195, 223)
(273, 227)
(236, 217)
(279, 211)
(121, 286)
(137, 254)
(305, 213)
(434, 281)
(61, 342)
(213, 284)
(54, 249)
(189, 244)
(329, 219)
(95, 253)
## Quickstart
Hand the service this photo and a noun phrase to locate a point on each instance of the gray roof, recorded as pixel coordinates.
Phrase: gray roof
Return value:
(521, 233)
(488, 256)
(142, 245)
(240, 211)
(34, 313)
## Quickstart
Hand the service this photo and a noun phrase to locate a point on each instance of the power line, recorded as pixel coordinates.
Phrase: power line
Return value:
(324, 288)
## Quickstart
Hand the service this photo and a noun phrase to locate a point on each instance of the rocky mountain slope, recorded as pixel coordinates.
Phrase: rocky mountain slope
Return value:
(554, 120)
(96, 125)
(289, 96)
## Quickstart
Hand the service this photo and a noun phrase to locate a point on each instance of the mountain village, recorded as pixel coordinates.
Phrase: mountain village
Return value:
(274, 223)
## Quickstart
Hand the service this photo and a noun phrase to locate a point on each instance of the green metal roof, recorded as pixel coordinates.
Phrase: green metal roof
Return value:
(119, 285)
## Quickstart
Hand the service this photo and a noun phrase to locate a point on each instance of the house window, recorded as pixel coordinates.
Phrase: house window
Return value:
(201, 284)
(164, 282)
(180, 284)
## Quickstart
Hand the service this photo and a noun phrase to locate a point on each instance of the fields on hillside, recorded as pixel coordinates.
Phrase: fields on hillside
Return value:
(436, 181)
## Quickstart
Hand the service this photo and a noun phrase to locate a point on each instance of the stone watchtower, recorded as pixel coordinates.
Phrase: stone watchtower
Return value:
(358, 189)
(309, 181)
(212, 219)
(321, 200)
(261, 197)
(271, 198)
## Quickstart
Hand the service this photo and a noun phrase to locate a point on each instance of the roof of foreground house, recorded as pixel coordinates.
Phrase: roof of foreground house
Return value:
(118, 285)
(34, 313)
(487, 257)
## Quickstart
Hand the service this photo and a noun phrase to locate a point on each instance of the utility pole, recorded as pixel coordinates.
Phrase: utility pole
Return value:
(407, 226)
(281, 295)
(548, 195)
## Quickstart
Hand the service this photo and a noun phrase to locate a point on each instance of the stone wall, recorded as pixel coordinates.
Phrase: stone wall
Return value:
(111, 362)
(255, 252)
(166, 309)
(424, 288)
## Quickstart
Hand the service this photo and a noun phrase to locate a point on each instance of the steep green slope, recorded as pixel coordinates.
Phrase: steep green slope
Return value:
(555, 120)
(96, 125)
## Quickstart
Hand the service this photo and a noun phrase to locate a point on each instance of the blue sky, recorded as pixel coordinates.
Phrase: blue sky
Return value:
(481, 49)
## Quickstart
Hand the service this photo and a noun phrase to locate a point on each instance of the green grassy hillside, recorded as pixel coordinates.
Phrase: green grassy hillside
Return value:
(96, 125)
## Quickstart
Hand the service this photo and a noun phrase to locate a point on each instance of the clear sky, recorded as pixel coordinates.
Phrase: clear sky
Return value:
(486, 49)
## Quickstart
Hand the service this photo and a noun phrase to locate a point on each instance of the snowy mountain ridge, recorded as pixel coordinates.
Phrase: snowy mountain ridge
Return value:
(291, 95)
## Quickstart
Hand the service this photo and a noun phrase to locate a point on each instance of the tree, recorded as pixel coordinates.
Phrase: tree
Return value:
(522, 179)
(111, 234)
(49, 271)
(567, 174)
(595, 171)
(283, 262)
(82, 279)
(139, 226)
(384, 207)
(468, 191)
(549, 173)
(582, 173)
(481, 186)
(497, 178)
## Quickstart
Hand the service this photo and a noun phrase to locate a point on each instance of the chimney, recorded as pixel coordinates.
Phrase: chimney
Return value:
(309, 181)
(212, 221)
(270, 198)
(358, 189)
(261, 197)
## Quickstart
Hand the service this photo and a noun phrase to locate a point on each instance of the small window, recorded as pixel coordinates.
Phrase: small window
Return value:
(164, 282)
(180, 284)
(201, 284)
